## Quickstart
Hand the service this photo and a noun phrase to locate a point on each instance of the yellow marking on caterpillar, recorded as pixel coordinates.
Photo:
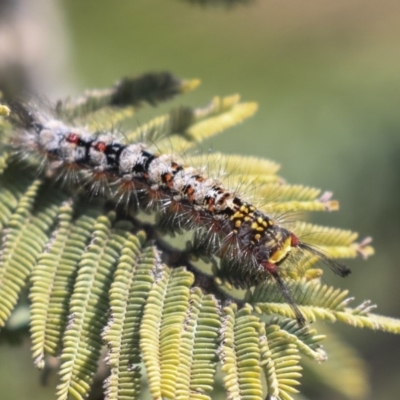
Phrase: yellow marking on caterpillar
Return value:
(238, 223)
(237, 215)
(244, 209)
(257, 237)
(281, 253)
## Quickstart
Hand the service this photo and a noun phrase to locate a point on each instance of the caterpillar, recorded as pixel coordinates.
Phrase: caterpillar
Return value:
(185, 199)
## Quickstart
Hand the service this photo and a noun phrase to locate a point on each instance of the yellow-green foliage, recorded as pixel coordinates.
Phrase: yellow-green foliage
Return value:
(133, 279)
(197, 348)
(240, 353)
(98, 279)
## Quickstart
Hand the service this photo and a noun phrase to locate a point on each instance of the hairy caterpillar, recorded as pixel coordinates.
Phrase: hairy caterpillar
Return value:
(226, 224)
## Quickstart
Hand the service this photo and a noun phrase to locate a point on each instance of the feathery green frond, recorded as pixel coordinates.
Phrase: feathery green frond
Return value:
(184, 128)
(133, 279)
(234, 170)
(280, 362)
(161, 329)
(291, 198)
(88, 311)
(198, 346)
(337, 243)
(321, 235)
(151, 88)
(165, 126)
(25, 237)
(314, 299)
(96, 280)
(240, 353)
(383, 323)
(219, 115)
(306, 339)
(52, 282)
(318, 302)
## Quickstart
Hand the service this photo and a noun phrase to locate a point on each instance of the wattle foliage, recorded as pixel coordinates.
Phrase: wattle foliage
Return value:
(101, 275)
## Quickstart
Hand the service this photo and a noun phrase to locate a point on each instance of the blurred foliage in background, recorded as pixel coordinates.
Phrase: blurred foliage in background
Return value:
(326, 77)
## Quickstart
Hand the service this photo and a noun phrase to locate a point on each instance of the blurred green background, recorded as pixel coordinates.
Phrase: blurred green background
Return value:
(326, 76)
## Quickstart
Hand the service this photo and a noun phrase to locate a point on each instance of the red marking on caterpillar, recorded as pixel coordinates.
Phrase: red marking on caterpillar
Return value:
(72, 138)
(271, 268)
(294, 240)
(101, 147)
(244, 237)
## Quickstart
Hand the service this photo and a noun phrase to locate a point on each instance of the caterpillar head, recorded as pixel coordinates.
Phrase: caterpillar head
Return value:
(276, 245)
(279, 243)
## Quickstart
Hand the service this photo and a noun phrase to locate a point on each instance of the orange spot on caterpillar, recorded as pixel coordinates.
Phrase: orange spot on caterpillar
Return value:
(168, 180)
(190, 193)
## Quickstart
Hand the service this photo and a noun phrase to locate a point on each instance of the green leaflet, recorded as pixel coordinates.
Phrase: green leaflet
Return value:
(161, 329)
(27, 233)
(307, 340)
(314, 299)
(240, 353)
(219, 115)
(53, 280)
(133, 279)
(88, 311)
(317, 301)
(198, 346)
(280, 361)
